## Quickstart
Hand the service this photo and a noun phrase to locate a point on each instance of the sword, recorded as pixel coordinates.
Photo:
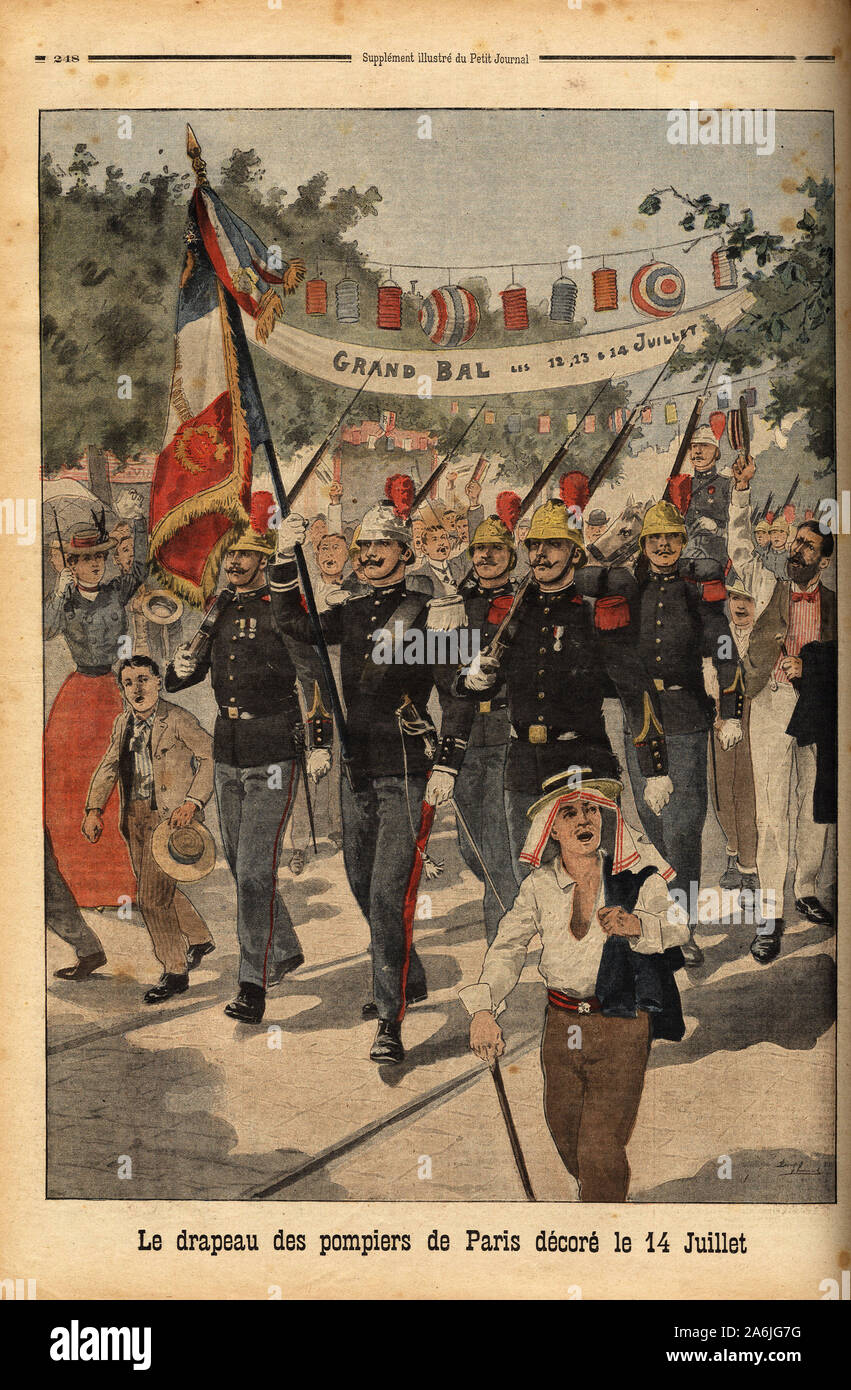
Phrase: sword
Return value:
(516, 1149)
(298, 738)
(465, 827)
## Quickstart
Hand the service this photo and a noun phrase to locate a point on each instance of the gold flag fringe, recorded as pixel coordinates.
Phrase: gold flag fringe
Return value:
(293, 275)
(269, 309)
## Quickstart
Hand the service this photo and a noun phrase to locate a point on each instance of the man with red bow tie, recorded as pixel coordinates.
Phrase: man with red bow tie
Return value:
(792, 614)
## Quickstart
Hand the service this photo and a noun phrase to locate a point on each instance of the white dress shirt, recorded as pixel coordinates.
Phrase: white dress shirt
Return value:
(543, 906)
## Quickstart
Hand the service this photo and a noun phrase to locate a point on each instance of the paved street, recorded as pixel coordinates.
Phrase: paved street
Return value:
(294, 1110)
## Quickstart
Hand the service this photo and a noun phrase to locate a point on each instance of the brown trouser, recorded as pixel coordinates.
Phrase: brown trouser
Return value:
(169, 915)
(734, 794)
(591, 1096)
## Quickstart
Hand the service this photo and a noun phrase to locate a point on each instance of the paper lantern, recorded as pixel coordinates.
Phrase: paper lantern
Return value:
(514, 424)
(563, 300)
(453, 407)
(316, 296)
(723, 398)
(449, 316)
(647, 415)
(671, 413)
(590, 424)
(490, 417)
(605, 285)
(346, 296)
(750, 397)
(724, 275)
(572, 421)
(718, 423)
(514, 309)
(389, 305)
(543, 424)
(657, 289)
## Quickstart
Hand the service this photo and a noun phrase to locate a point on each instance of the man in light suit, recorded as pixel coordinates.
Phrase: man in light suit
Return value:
(162, 760)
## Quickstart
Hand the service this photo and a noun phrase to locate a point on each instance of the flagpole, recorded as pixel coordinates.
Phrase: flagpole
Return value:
(193, 150)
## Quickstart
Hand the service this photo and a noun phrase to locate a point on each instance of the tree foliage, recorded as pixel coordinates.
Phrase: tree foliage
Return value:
(111, 256)
(791, 322)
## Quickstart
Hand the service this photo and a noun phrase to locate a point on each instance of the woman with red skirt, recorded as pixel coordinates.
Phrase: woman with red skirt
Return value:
(90, 616)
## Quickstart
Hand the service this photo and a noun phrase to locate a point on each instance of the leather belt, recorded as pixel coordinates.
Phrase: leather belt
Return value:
(234, 712)
(540, 733)
(591, 1005)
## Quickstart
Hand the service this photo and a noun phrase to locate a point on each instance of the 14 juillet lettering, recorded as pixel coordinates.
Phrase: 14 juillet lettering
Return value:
(546, 1242)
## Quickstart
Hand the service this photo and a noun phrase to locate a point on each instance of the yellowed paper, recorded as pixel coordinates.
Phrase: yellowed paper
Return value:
(521, 140)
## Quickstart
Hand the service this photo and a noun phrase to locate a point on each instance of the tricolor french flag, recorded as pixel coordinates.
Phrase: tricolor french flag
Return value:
(202, 481)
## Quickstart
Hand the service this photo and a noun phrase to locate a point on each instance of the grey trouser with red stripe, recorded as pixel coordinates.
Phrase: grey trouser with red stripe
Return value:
(378, 850)
(591, 1095)
(254, 806)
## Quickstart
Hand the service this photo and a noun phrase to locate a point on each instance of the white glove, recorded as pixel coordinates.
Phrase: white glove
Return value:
(64, 582)
(129, 505)
(482, 673)
(657, 793)
(439, 788)
(182, 663)
(318, 764)
(729, 733)
(292, 530)
(706, 523)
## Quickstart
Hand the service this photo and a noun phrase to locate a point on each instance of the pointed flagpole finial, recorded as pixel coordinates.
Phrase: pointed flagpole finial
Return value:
(193, 149)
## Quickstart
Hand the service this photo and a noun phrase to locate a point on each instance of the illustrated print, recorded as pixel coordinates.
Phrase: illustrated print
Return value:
(440, 682)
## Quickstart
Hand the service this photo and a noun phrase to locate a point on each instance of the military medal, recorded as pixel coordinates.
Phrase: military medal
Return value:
(558, 633)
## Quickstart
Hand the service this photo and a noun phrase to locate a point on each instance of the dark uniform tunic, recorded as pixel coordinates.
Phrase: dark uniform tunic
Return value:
(255, 746)
(382, 795)
(567, 652)
(682, 620)
(706, 516)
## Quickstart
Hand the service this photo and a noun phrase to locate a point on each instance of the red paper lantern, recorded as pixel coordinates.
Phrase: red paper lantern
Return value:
(514, 309)
(316, 297)
(390, 305)
(605, 285)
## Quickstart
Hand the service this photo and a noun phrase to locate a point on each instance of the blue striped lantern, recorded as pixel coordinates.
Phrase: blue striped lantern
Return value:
(514, 423)
(563, 300)
(449, 316)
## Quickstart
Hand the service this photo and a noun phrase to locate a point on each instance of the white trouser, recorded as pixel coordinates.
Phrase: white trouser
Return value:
(781, 768)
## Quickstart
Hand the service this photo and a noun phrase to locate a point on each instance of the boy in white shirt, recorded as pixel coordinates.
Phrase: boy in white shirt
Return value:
(610, 936)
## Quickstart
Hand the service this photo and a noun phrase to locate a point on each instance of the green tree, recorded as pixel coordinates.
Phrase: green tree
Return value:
(791, 322)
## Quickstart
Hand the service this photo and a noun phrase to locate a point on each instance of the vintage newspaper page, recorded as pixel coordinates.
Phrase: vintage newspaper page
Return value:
(425, 519)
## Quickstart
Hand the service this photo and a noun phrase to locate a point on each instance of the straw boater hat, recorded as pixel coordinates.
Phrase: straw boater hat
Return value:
(159, 606)
(738, 584)
(88, 540)
(186, 854)
(630, 850)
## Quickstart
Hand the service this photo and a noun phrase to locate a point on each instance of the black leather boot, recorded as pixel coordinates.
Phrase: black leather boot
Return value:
(387, 1046)
(168, 985)
(249, 1005)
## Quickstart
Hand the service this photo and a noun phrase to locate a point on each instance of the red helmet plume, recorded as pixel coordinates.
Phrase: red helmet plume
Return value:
(399, 489)
(260, 512)
(573, 489)
(508, 508)
(679, 491)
